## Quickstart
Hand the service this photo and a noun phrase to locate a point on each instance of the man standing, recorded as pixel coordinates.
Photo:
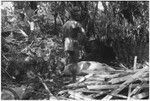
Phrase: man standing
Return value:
(73, 33)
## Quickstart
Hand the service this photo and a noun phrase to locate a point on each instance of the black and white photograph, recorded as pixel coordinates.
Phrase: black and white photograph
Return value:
(74, 50)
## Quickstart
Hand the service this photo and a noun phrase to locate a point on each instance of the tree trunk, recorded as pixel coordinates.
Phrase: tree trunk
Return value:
(55, 22)
(92, 24)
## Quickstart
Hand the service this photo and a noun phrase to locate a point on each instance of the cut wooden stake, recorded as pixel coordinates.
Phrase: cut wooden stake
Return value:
(79, 96)
(84, 78)
(138, 88)
(75, 85)
(96, 79)
(129, 91)
(121, 65)
(101, 93)
(120, 96)
(135, 62)
(121, 79)
(100, 87)
(141, 95)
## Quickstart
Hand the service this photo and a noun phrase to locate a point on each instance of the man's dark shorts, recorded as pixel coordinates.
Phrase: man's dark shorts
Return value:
(71, 47)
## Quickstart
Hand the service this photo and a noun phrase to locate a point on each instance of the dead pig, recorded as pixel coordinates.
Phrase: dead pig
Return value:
(84, 68)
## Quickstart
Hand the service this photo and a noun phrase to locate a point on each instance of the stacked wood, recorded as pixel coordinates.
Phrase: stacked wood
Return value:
(119, 84)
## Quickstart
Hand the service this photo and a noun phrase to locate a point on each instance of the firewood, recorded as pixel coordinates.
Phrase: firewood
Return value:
(101, 77)
(120, 96)
(121, 79)
(119, 74)
(79, 96)
(95, 79)
(144, 79)
(129, 91)
(84, 78)
(137, 89)
(75, 85)
(121, 65)
(126, 83)
(86, 91)
(100, 87)
(135, 62)
(93, 83)
(141, 95)
(101, 93)
(61, 98)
